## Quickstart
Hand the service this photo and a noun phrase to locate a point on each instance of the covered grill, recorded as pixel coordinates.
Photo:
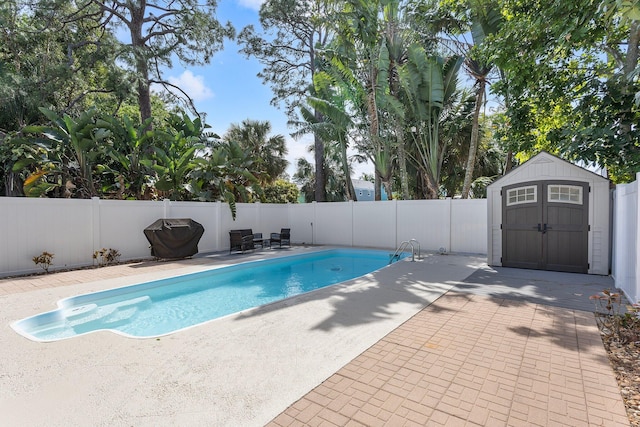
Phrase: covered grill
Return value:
(174, 237)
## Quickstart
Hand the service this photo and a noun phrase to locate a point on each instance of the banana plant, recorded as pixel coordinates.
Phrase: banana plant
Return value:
(179, 154)
(73, 145)
(130, 155)
(428, 83)
(174, 161)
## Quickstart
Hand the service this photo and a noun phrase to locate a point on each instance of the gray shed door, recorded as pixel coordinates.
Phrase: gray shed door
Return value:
(545, 226)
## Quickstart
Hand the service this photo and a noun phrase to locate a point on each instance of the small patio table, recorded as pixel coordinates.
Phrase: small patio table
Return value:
(262, 242)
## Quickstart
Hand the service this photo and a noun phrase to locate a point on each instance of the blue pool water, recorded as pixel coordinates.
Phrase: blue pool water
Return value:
(161, 307)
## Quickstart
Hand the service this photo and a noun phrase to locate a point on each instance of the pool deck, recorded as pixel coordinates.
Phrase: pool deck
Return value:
(444, 340)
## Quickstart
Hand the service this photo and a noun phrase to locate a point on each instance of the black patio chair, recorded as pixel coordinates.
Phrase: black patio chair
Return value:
(281, 238)
(240, 240)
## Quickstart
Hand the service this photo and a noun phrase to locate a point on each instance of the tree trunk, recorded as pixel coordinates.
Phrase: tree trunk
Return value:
(318, 147)
(144, 93)
(142, 67)
(431, 187)
(377, 193)
(402, 161)
(473, 145)
(374, 125)
(388, 189)
(509, 163)
(350, 191)
(631, 60)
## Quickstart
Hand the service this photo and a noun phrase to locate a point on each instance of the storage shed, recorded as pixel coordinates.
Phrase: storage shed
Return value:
(549, 214)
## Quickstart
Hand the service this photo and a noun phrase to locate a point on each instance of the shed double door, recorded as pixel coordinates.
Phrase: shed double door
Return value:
(545, 226)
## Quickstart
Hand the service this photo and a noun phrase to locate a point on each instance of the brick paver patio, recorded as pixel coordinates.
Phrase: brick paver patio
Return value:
(473, 360)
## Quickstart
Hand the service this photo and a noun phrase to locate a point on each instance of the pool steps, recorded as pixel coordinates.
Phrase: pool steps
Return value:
(83, 316)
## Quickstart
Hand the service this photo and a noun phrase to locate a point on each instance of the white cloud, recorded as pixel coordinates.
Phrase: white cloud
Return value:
(251, 4)
(193, 85)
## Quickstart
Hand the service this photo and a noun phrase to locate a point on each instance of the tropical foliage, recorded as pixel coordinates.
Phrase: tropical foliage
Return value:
(387, 86)
(570, 80)
(442, 97)
(78, 118)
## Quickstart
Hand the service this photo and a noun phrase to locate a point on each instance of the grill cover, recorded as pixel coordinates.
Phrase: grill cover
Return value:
(174, 237)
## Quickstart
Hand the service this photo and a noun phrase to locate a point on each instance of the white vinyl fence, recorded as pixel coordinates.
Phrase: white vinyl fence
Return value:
(74, 229)
(626, 239)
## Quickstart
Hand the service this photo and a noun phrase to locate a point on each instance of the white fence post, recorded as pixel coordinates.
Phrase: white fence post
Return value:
(96, 224)
(352, 220)
(313, 233)
(449, 247)
(395, 221)
(166, 205)
(634, 256)
(626, 239)
(218, 214)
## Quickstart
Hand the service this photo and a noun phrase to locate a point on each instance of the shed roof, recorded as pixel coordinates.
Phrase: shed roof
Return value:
(547, 166)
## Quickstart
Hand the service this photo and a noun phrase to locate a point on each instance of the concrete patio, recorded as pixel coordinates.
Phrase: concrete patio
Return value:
(445, 340)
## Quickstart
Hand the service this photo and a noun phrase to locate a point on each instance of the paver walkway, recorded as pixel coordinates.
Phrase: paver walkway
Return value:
(473, 360)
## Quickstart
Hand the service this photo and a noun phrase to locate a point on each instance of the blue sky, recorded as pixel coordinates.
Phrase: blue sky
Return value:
(228, 90)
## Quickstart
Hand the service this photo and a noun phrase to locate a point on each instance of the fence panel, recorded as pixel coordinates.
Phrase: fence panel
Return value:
(374, 224)
(626, 239)
(74, 229)
(427, 221)
(301, 218)
(333, 224)
(121, 225)
(206, 214)
(469, 226)
(274, 217)
(31, 226)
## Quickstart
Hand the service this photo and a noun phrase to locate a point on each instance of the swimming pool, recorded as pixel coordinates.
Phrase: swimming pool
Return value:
(165, 306)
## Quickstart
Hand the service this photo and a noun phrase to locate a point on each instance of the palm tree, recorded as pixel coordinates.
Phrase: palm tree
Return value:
(336, 182)
(335, 123)
(484, 22)
(225, 174)
(396, 45)
(362, 59)
(456, 130)
(305, 177)
(480, 73)
(268, 151)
